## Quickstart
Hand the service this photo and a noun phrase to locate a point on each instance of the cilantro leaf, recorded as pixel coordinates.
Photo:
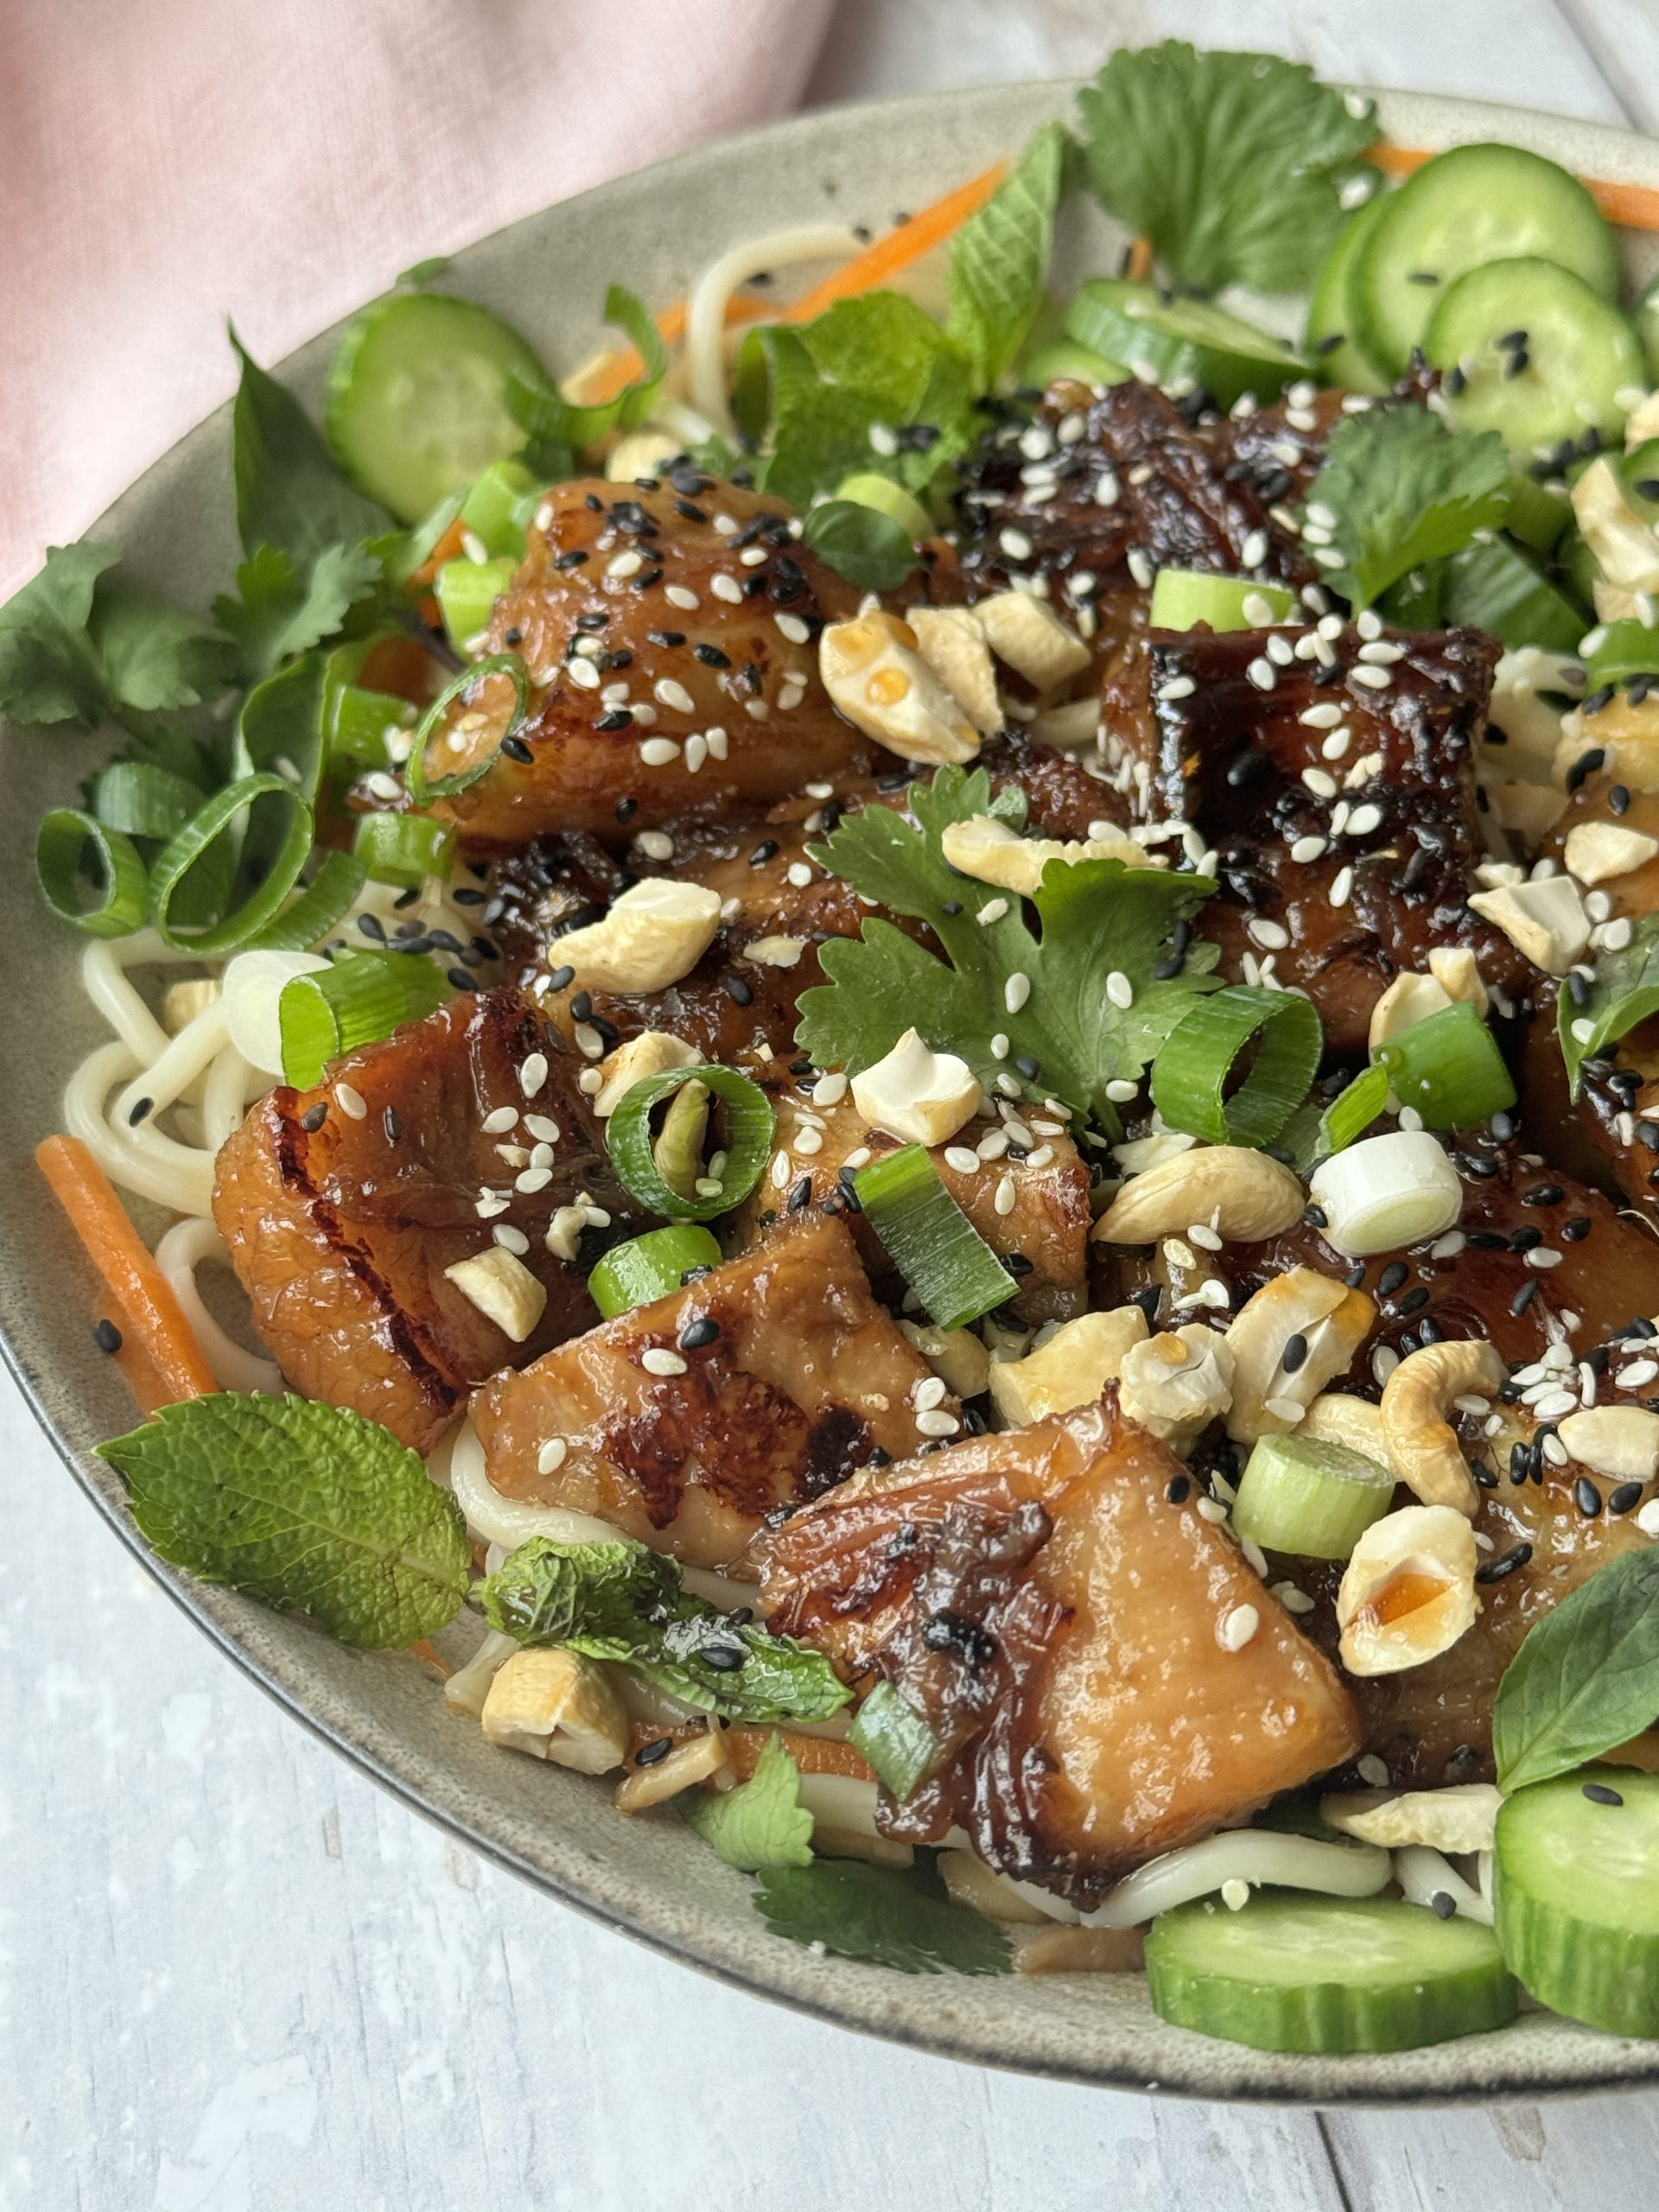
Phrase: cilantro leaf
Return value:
(1587, 1678)
(1096, 916)
(867, 547)
(1625, 991)
(49, 669)
(879, 1916)
(289, 492)
(1405, 491)
(998, 258)
(305, 1506)
(760, 1823)
(624, 1603)
(153, 654)
(875, 363)
(1231, 164)
(282, 609)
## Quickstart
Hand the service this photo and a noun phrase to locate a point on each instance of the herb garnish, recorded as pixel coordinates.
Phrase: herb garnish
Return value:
(879, 1916)
(1587, 1678)
(760, 1823)
(1405, 491)
(1625, 991)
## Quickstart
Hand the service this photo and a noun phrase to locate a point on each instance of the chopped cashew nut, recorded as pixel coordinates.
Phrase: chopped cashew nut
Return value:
(1457, 971)
(1334, 1418)
(652, 1052)
(1073, 727)
(775, 952)
(1626, 550)
(991, 852)
(1529, 811)
(953, 645)
(1621, 1442)
(558, 1706)
(641, 453)
(1243, 1195)
(1459, 1818)
(1409, 999)
(1072, 1368)
(873, 671)
(1543, 918)
(1174, 1386)
(1408, 1593)
(1531, 727)
(1596, 851)
(1332, 1322)
(1423, 1447)
(921, 1095)
(694, 1760)
(502, 1287)
(955, 1355)
(655, 932)
(1028, 634)
(1077, 1950)
(1140, 1153)
(564, 1232)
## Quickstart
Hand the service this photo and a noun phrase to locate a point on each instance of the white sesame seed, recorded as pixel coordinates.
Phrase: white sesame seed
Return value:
(1261, 674)
(1211, 1509)
(625, 564)
(1337, 744)
(1272, 937)
(799, 873)
(1364, 820)
(589, 1081)
(350, 1102)
(1321, 784)
(583, 675)
(657, 751)
(500, 1121)
(1374, 679)
(1280, 652)
(792, 628)
(533, 1074)
(1449, 1246)
(1178, 687)
(1370, 623)
(696, 752)
(1648, 1519)
(679, 595)
(1342, 886)
(675, 697)
(511, 1239)
(1285, 1409)
(883, 440)
(1238, 1627)
(1015, 545)
(807, 1141)
(1213, 1291)
(1016, 991)
(1306, 849)
(540, 1128)
(959, 1157)
(489, 1205)
(728, 589)
(1119, 1090)
(657, 1359)
(1000, 1046)
(1006, 1196)
(938, 1424)
(532, 1180)
(1119, 989)
(993, 1145)
(550, 1458)
(1382, 652)
(1108, 490)
(1384, 1360)
(1254, 552)
(1140, 567)
(929, 1394)
(1372, 1771)
(1259, 613)
(992, 910)
(1638, 1375)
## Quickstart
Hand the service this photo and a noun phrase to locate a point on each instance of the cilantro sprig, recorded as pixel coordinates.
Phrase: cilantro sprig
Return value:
(760, 1823)
(1096, 918)
(80, 644)
(1405, 491)
(1624, 991)
(879, 1916)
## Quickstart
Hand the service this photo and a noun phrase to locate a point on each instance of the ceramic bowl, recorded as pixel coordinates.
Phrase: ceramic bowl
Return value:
(650, 1877)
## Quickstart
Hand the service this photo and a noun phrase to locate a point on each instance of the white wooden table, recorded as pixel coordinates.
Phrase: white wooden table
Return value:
(233, 1978)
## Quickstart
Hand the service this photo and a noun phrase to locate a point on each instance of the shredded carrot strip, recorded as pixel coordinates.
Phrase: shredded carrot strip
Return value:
(1634, 206)
(148, 1306)
(448, 547)
(1138, 267)
(745, 1742)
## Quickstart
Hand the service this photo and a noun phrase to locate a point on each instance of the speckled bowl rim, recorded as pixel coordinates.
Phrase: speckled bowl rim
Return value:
(990, 2023)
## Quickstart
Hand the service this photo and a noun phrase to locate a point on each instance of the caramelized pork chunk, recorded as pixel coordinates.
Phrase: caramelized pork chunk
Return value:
(686, 1422)
(343, 1206)
(671, 641)
(1105, 1675)
(1335, 784)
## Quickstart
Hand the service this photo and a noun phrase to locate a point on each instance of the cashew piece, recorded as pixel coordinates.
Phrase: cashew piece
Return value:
(1243, 1194)
(1333, 1322)
(1423, 1448)
(1409, 1590)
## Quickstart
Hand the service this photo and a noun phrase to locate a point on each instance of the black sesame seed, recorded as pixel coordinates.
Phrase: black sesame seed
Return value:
(1316, 1216)
(1442, 1904)
(695, 1275)
(1587, 1498)
(739, 992)
(1028, 1066)
(1526, 1238)
(140, 1108)
(461, 978)
(314, 1118)
(1392, 1277)
(724, 1658)
(767, 850)
(1588, 763)
(1518, 362)
(1618, 798)
(951, 906)
(700, 1334)
(626, 809)
(1295, 1352)
(1520, 1463)
(658, 1748)
(687, 512)
(1647, 1133)
(1495, 1570)
(711, 656)
(373, 926)
(107, 1337)
(1413, 1301)
(1354, 1275)
(1543, 1194)
(665, 637)
(1599, 1794)
(1178, 1489)
(616, 718)
(1018, 1265)
(593, 622)
(516, 749)
(581, 1006)
(574, 559)
(463, 895)
(392, 1125)
(800, 1195)
(562, 978)
(1524, 1296)
(1625, 1498)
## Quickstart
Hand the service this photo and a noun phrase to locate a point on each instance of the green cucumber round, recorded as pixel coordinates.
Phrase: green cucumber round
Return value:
(417, 404)
(1475, 204)
(1172, 340)
(1540, 355)
(1577, 1893)
(1494, 586)
(1064, 357)
(1326, 1975)
(1330, 346)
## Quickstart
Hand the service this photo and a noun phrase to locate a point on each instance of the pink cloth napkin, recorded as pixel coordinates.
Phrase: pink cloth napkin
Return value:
(163, 162)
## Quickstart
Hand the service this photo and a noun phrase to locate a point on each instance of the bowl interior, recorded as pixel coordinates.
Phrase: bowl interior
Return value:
(650, 1877)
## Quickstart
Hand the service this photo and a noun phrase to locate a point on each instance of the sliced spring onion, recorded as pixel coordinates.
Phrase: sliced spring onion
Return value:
(871, 490)
(746, 1142)
(1189, 1076)
(1182, 598)
(1387, 1193)
(649, 1267)
(424, 784)
(894, 1739)
(1448, 1068)
(362, 998)
(1351, 1112)
(143, 800)
(1300, 1495)
(466, 592)
(279, 729)
(403, 848)
(678, 1149)
(1625, 649)
(491, 509)
(64, 844)
(930, 1240)
(269, 821)
(331, 891)
(552, 420)
(359, 722)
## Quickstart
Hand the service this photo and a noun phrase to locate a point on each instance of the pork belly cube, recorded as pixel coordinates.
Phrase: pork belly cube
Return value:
(1106, 1676)
(686, 1422)
(343, 1206)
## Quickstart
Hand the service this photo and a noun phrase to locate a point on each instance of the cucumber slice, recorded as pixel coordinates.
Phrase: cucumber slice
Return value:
(1170, 340)
(1577, 1892)
(1495, 587)
(1067, 358)
(1542, 355)
(1182, 598)
(1326, 1974)
(467, 592)
(1331, 345)
(417, 404)
(1312, 1499)
(1474, 205)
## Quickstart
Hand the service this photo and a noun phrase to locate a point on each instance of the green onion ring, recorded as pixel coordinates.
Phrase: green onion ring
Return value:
(422, 787)
(750, 1127)
(265, 900)
(1190, 1073)
(1447, 1066)
(403, 848)
(362, 998)
(60, 845)
(1351, 1112)
(930, 1240)
(319, 906)
(650, 1266)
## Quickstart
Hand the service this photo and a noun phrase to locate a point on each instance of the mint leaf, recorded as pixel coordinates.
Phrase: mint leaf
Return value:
(50, 670)
(305, 1506)
(1587, 1678)
(1231, 165)
(867, 547)
(1625, 991)
(1405, 491)
(998, 258)
(624, 1603)
(1096, 916)
(282, 609)
(760, 1823)
(289, 492)
(879, 1916)
(895, 1740)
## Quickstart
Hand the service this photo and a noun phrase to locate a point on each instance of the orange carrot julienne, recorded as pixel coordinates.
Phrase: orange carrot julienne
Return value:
(1138, 267)
(1633, 206)
(143, 1293)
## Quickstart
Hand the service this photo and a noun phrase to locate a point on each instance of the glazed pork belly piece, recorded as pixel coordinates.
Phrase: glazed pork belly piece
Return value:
(671, 632)
(1331, 773)
(1105, 1675)
(343, 1206)
(688, 1421)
